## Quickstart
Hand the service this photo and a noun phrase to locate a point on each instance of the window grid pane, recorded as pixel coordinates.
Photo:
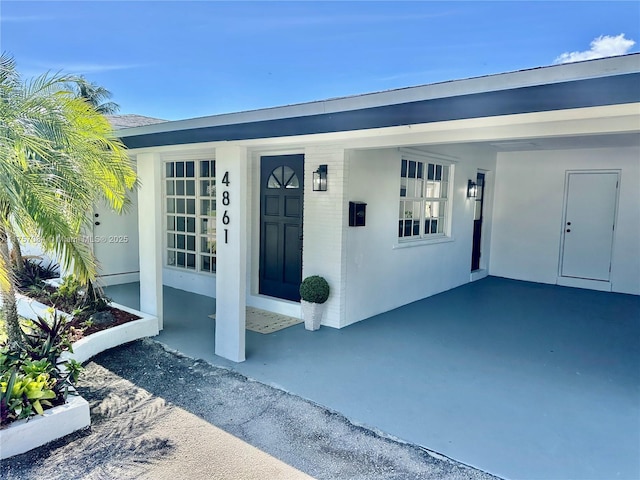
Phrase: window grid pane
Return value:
(190, 201)
(423, 201)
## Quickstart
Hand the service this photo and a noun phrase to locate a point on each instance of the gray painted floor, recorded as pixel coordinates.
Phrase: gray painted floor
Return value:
(519, 379)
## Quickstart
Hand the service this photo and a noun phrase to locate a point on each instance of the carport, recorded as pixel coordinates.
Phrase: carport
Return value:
(520, 379)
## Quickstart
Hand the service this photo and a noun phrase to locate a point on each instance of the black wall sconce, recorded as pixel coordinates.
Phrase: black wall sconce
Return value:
(320, 179)
(472, 189)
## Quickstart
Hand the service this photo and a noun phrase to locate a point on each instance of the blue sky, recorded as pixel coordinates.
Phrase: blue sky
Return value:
(175, 60)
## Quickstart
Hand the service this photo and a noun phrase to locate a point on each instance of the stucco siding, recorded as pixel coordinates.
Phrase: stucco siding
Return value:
(324, 227)
(382, 273)
(528, 213)
(200, 283)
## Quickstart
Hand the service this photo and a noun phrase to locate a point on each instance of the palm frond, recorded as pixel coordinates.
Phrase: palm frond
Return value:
(58, 157)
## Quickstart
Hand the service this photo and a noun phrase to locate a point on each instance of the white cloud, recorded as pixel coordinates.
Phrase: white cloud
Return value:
(79, 68)
(24, 18)
(97, 67)
(33, 69)
(602, 46)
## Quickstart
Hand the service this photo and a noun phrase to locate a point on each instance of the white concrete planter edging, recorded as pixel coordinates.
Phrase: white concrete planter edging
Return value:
(54, 423)
(32, 309)
(91, 345)
(25, 435)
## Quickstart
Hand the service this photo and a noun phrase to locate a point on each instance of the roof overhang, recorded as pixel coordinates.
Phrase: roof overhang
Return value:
(613, 81)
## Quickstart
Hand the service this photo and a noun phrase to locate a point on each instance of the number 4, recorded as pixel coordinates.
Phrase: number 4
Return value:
(225, 178)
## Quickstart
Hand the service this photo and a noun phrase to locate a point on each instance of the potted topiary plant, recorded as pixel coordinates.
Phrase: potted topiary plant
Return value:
(314, 291)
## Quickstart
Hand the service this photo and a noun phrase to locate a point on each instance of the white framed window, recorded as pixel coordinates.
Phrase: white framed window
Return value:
(424, 198)
(190, 215)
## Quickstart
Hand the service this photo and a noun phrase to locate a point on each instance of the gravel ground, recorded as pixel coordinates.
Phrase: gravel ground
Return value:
(154, 415)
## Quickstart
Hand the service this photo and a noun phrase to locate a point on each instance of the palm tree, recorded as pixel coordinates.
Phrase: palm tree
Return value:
(58, 157)
(95, 95)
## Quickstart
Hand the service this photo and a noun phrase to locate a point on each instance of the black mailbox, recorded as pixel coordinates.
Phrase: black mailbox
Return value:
(357, 214)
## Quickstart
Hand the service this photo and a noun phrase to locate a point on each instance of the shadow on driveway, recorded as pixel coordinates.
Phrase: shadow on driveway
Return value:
(154, 415)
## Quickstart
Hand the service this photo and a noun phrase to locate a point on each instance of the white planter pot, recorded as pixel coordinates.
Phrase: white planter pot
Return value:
(312, 314)
(24, 435)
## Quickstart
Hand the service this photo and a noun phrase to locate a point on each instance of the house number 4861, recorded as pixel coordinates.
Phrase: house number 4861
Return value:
(226, 202)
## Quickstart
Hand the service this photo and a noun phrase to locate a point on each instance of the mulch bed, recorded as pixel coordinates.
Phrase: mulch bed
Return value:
(119, 317)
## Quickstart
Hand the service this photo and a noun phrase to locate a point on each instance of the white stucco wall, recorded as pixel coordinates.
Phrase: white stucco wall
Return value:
(323, 250)
(382, 274)
(528, 211)
(200, 283)
(34, 249)
(114, 243)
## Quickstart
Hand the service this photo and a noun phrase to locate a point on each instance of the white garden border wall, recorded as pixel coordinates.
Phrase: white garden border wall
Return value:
(24, 435)
(91, 345)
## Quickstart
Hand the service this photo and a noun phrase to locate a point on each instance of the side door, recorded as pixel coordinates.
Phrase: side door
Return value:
(589, 223)
(115, 240)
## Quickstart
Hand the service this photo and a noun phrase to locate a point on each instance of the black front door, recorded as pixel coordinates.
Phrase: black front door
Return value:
(281, 195)
(477, 224)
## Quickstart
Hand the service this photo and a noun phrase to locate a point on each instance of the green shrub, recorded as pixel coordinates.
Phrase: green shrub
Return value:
(32, 377)
(93, 299)
(314, 289)
(34, 273)
(69, 291)
(25, 394)
(72, 297)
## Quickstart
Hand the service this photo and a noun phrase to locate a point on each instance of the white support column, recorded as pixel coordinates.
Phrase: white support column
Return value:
(150, 233)
(232, 190)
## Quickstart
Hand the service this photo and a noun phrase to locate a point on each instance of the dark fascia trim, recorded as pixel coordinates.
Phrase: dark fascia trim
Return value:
(593, 92)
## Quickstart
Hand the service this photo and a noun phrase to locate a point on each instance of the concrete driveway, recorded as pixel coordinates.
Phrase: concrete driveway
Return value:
(519, 379)
(159, 415)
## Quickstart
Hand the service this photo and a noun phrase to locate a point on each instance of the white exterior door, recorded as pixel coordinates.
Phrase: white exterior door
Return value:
(589, 224)
(115, 242)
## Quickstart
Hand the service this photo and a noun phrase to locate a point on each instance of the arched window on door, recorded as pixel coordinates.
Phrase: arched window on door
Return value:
(283, 177)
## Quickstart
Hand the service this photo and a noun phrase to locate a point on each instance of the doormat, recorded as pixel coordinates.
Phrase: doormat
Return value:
(261, 321)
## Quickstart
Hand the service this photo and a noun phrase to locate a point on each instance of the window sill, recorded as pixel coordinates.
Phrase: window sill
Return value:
(190, 271)
(422, 242)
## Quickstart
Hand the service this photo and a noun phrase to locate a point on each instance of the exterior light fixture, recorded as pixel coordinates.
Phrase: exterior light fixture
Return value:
(472, 189)
(320, 179)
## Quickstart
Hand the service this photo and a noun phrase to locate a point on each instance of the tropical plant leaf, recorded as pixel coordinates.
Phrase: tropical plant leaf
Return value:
(58, 158)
